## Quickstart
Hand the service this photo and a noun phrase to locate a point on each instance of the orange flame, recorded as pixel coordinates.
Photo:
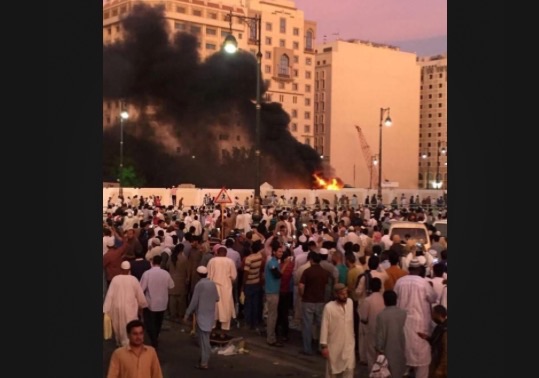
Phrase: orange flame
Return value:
(331, 184)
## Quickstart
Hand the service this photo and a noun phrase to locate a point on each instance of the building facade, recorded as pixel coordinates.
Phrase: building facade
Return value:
(287, 47)
(433, 123)
(354, 80)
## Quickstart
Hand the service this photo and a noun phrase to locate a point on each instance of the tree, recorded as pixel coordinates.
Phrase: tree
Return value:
(130, 178)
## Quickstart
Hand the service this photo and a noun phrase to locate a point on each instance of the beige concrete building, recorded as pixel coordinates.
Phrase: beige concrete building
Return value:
(287, 44)
(353, 81)
(433, 122)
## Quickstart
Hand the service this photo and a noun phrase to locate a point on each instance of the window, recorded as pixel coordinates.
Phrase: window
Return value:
(439, 134)
(109, 31)
(211, 31)
(197, 12)
(307, 88)
(430, 106)
(296, 59)
(439, 124)
(294, 127)
(295, 31)
(323, 84)
(307, 74)
(430, 96)
(295, 45)
(106, 15)
(224, 33)
(223, 137)
(294, 87)
(211, 46)
(439, 95)
(267, 54)
(252, 33)
(281, 98)
(439, 114)
(180, 9)
(441, 75)
(307, 115)
(117, 28)
(282, 43)
(114, 12)
(284, 65)
(317, 84)
(439, 105)
(281, 85)
(316, 97)
(268, 40)
(268, 97)
(428, 144)
(316, 106)
(420, 106)
(307, 101)
(238, 138)
(123, 9)
(321, 127)
(430, 124)
(294, 99)
(430, 115)
(322, 106)
(321, 118)
(421, 97)
(268, 26)
(315, 127)
(309, 36)
(212, 15)
(307, 129)
(429, 135)
(294, 113)
(308, 141)
(296, 73)
(267, 69)
(195, 29)
(430, 86)
(430, 76)
(323, 74)
(440, 85)
(282, 25)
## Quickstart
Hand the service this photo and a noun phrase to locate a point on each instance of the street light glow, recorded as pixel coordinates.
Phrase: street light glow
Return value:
(230, 44)
(424, 156)
(124, 115)
(388, 122)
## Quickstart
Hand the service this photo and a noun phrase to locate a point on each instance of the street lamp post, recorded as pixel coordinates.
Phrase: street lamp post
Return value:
(374, 163)
(231, 46)
(124, 115)
(387, 123)
(439, 151)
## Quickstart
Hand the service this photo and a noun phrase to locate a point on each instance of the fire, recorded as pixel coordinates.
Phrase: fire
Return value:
(330, 184)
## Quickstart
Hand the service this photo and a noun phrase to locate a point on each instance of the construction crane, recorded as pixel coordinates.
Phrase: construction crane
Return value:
(369, 157)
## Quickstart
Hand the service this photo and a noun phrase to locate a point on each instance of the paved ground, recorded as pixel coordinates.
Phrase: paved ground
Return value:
(178, 355)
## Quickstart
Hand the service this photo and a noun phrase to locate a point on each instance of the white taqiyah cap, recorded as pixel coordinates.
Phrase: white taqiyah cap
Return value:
(125, 265)
(202, 270)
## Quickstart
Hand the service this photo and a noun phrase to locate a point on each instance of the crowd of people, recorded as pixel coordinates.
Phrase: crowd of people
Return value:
(330, 271)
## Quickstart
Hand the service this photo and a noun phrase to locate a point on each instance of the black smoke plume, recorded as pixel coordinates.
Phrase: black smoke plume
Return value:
(185, 108)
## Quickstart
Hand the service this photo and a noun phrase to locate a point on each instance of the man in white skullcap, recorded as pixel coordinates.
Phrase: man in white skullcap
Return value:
(416, 296)
(123, 301)
(202, 305)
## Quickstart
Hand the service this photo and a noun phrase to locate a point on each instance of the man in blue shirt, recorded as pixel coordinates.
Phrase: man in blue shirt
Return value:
(203, 306)
(272, 285)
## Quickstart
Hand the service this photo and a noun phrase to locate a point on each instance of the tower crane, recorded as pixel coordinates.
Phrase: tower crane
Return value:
(368, 156)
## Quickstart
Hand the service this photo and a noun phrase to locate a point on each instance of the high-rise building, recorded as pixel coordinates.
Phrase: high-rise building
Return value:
(354, 80)
(433, 122)
(287, 47)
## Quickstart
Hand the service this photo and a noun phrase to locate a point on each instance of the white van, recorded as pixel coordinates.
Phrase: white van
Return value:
(441, 225)
(416, 230)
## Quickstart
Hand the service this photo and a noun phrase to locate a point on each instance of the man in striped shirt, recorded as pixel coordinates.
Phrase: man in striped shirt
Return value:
(252, 285)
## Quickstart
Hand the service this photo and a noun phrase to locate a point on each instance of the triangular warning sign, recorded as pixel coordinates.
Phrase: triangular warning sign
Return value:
(223, 197)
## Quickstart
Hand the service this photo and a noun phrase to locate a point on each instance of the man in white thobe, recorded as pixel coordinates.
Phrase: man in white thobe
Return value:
(416, 296)
(123, 301)
(337, 335)
(222, 271)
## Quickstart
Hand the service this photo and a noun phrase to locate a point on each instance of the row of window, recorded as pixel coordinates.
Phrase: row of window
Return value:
(431, 76)
(430, 125)
(295, 87)
(430, 86)
(440, 95)
(429, 144)
(430, 105)
(430, 115)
